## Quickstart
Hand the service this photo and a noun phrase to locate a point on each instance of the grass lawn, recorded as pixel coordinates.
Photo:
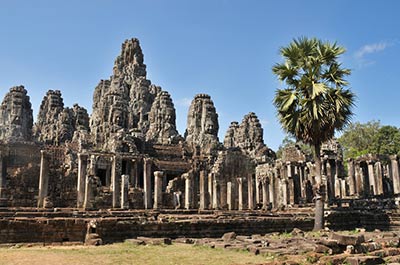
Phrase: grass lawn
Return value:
(125, 253)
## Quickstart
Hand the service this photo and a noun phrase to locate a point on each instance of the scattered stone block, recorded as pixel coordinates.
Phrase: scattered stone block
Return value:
(364, 260)
(323, 249)
(347, 240)
(229, 236)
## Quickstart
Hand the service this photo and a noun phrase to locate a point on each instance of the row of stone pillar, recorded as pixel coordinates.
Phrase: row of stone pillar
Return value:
(367, 178)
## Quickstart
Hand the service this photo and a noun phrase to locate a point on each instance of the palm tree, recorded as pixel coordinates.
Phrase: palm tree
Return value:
(315, 102)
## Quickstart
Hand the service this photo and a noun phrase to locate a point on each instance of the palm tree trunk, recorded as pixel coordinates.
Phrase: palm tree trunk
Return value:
(320, 191)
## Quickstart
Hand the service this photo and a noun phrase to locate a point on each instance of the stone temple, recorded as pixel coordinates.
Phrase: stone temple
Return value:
(128, 159)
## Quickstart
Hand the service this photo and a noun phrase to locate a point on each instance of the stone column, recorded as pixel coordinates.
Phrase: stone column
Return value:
(272, 190)
(133, 174)
(265, 194)
(188, 190)
(343, 187)
(338, 188)
(240, 193)
(250, 188)
(351, 177)
(82, 168)
(371, 178)
(215, 193)
(116, 181)
(258, 185)
(87, 203)
(44, 178)
(359, 179)
(395, 174)
(284, 188)
(223, 194)
(203, 190)
(124, 191)
(158, 185)
(147, 182)
(378, 178)
(229, 195)
(210, 189)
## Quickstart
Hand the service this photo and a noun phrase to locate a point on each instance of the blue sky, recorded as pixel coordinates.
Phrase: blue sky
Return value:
(220, 47)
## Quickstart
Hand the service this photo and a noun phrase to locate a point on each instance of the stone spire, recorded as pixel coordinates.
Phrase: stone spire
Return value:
(52, 105)
(162, 120)
(16, 116)
(248, 136)
(202, 124)
(122, 104)
(56, 124)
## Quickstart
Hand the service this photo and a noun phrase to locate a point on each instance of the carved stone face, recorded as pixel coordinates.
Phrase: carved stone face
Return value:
(118, 118)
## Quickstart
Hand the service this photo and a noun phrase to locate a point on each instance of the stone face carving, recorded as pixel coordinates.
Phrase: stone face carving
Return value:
(162, 121)
(56, 124)
(122, 104)
(16, 116)
(45, 129)
(202, 124)
(248, 136)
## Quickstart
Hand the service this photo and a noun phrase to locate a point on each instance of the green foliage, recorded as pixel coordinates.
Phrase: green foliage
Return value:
(291, 141)
(314, 103)
(370, 138)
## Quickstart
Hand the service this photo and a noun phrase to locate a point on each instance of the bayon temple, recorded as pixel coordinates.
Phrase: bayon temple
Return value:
(128, 154)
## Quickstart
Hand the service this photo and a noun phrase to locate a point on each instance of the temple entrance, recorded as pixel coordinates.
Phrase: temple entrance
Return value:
(102, 175)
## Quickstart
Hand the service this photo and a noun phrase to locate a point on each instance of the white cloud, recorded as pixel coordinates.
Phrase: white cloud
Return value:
(371, 48)
(360, 54)
(184, 102)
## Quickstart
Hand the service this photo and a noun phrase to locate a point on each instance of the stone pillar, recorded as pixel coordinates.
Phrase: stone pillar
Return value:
(371, 178)
(240, 193)
(133, 174)
(87, 203)
(271, 189)
(124, 191)
(284, 188)
(250, 188)
(343, 187)
(395, 174)
(82, 168)
(229, 195)
(338, 188)
(216, 202)
(210, 189)
(265, 193)
(147, 182)
(203, 190)
(223, 195)
(302, 181)
(188, 190)
(359, 179)
(116, 181)
(158, 185)
(44, 178)
(258, 185)
(351, 177)
(378, 178)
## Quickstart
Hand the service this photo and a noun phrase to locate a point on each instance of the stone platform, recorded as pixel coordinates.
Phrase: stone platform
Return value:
(29, 225)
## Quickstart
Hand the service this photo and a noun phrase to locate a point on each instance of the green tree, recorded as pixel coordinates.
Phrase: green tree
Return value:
(314, 103)
(357, 138)
(386, 141)
(370, 138)
(291, 141)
